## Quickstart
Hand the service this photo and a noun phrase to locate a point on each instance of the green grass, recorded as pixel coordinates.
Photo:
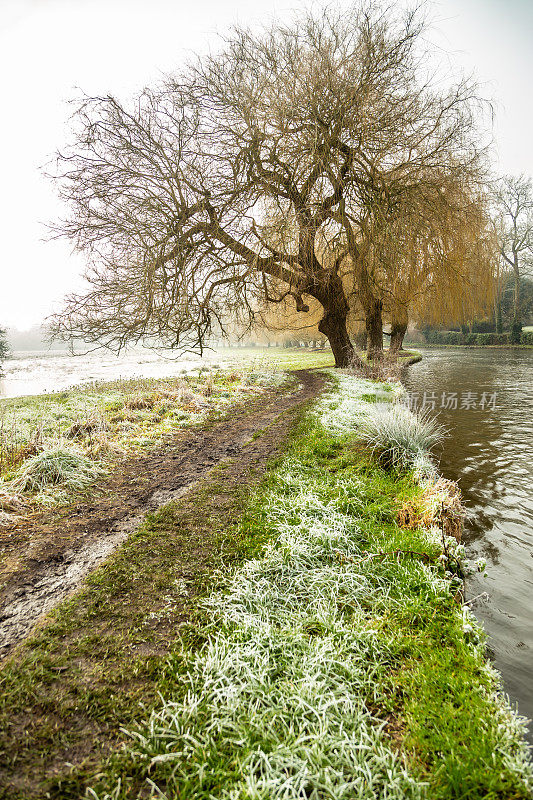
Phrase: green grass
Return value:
(103, 656)
(122, 416)
(108, 421)
(337, 665)
(328, 658)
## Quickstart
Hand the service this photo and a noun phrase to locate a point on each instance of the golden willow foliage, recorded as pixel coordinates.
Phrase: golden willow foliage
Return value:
(432, 261)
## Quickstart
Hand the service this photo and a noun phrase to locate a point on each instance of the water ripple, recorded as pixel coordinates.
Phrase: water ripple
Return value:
(489, 453)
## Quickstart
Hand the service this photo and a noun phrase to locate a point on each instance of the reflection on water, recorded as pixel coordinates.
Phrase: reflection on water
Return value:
(489, 453)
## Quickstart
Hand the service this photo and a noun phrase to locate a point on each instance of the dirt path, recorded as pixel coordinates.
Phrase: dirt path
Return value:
(59, 550)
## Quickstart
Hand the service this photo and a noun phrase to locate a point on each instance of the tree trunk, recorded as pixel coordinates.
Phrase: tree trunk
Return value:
(373, 311)
(516, 327)
(499, 321)
(399, 321)
(333, 325)
(374, 329)
(361, 340)
(397, 333)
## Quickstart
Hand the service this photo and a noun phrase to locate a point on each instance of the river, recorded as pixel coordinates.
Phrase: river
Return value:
(488, 451)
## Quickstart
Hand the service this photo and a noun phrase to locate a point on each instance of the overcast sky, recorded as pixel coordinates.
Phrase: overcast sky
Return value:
(50, 47)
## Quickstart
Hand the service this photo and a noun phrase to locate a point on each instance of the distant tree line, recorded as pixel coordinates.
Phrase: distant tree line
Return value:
(513, 203)
(512, 275)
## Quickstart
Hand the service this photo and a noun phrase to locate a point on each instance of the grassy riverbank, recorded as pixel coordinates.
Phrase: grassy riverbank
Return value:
(322, 651)
(338, 663)
(58, 447)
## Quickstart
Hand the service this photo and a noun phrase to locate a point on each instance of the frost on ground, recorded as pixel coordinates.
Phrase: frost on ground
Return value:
(54, 447)
(282, 680)
(283, 699)
(375, 414)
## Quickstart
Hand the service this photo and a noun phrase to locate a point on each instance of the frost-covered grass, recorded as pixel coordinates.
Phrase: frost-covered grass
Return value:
(340, 409)
(127, 415)
(370, 411)
(60, 466)
(397, 436)
(43, 438)
(337, 663)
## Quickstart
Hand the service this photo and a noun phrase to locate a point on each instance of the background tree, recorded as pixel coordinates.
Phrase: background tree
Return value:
(507, 299)
(4, 346)
(444, 259)
(234, 183)
(514, 209)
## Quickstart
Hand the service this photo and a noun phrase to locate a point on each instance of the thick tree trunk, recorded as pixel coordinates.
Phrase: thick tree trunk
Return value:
(399, 323)
(373, 311)
(374, 329)
(334, 322)
(333, 325)
(397, 333)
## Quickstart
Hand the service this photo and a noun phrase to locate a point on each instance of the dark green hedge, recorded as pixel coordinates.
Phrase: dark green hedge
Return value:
(476, 339)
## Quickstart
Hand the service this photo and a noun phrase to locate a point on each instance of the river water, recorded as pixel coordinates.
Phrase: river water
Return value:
(489, 453)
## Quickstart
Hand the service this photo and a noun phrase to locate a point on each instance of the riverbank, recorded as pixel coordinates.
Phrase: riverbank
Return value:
(57, 447)
(488, 451)
(296, 630)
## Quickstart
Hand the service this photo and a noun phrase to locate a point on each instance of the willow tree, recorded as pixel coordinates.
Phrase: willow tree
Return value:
(210, 195)
(435, 258)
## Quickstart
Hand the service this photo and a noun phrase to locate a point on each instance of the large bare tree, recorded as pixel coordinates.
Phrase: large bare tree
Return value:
(249, 177)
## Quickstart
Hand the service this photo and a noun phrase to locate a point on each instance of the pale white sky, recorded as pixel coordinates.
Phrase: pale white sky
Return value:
(50, 47)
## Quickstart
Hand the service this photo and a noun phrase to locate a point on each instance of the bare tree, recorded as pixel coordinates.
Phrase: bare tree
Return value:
(514, 208)
(252, 177)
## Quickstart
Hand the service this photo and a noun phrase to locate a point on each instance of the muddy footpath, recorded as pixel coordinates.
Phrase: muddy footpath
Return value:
(46, 557)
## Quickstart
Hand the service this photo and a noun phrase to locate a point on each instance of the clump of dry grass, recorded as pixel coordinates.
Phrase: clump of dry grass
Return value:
(16, 445)
(10, 501)
(101, 446)
(139, 402)
(208, 387)
(86, 427)
(438, 503)
(382, 369)
(385, 369)
(188, 399)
